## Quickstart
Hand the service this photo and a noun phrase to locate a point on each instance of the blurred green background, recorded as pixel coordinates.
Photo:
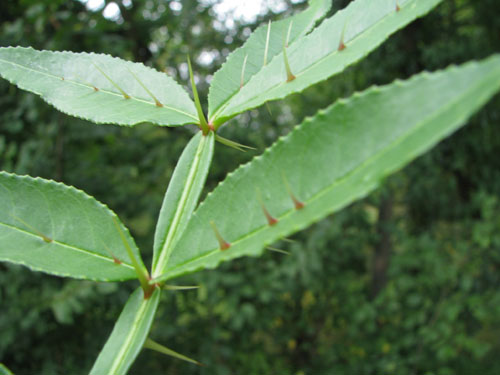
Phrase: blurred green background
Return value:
(404, 282)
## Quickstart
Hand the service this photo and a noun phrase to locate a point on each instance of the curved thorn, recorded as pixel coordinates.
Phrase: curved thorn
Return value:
(157, 102)
(276, 250)
(43, 236)
(153, 345)
(266, 50)
(125, 95)
(242, 79)
(288, 34)
(232, 144)
(289, 75)
(270, 219)
(297, 203)
(223, 244)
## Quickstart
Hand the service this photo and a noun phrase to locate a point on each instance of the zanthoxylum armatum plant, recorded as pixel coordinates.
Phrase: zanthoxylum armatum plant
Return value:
(333, 158)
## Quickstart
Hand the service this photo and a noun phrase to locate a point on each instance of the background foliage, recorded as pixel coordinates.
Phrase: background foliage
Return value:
(404, 282)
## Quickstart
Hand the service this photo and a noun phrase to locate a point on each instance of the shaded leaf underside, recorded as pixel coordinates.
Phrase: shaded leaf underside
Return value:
(330, 160)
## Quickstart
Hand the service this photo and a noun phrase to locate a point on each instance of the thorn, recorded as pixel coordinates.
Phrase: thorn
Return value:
(242, 79)
(85, 82)
(125, 95)
(115, 259)
(342, 45)
(298, 204)
(201, 116)
(398, 8)
(232, 144)
(289, 75)
(269, 109)
(270, 219)
(62, 78)
(276, 250)
(223, 244)
(289, 240)
(43, 236)
(288, 33)
(157, 102)
(153, 345)
(180, 287)
(266, 50)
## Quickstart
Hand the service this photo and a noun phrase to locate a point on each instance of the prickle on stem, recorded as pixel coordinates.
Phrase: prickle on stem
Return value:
(223, 244)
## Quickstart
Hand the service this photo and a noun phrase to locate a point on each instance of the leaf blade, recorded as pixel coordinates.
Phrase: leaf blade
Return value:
(54, 228)
(364, 25)
(346, 158)
(247, 60)
(88, 86)
(181, 197)
(128, 335)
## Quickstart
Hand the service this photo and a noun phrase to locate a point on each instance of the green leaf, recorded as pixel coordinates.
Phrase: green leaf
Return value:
(182, 196)
(4, 370)
(98, 88)
(363, 26)
(227, 80)
(332, 159)
(58, 229)
(128, 335)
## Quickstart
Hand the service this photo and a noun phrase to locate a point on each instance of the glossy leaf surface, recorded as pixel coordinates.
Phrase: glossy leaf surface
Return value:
(182, 196)
(54, 228)
(329, 161)
(97, 87)
(362, 26)
(248, 60)
(128, 335)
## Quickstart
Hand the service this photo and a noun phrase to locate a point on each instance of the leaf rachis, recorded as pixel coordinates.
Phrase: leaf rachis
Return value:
(223, 244)
(157, 102)
(125, 95)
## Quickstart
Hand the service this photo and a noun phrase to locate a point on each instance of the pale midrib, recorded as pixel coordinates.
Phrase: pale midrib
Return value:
(341, 180)
(92, 88)
(77, 249)
(166, 249)
(129, 340)
(334, 52)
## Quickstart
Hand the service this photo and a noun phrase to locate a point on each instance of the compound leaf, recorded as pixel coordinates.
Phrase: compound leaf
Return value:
(360, 27)
(329, 161)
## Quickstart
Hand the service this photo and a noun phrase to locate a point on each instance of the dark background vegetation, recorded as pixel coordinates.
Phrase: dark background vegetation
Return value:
(404, 282)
